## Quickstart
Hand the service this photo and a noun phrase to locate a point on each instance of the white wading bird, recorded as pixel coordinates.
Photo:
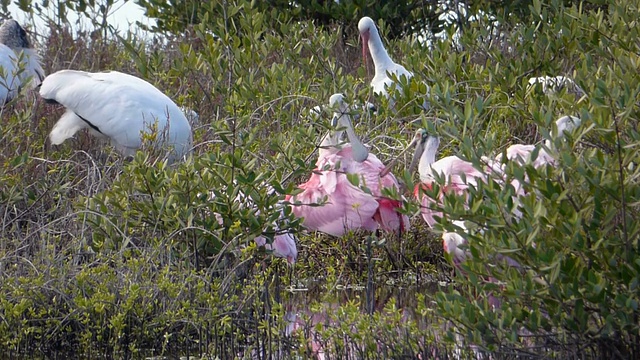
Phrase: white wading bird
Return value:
(19, 62)
(384, 65)
(553, 84)
(117, 106)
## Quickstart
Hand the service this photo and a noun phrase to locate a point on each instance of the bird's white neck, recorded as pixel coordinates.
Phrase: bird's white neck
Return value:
(359, 151)
(381, 59)
(428, 157)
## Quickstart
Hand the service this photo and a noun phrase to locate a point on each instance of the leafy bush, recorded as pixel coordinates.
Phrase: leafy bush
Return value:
(577, 239)
(125, 257)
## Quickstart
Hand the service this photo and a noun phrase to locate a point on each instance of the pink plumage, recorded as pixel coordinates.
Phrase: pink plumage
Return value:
(284, 242)
(347, 206)
(458, 174)
(283, 245)
(330, 203)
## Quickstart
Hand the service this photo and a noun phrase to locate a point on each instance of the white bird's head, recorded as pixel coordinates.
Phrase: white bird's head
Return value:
(567, 123)
(337, 100)
(424, 143)
(340, 109)
(13, 35)
(426, 148)
(192, 116)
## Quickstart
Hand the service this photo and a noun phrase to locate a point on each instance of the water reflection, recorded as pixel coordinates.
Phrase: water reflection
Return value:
(340, 323)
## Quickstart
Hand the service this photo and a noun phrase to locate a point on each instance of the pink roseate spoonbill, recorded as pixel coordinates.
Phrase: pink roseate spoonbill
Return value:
(19, 62)
(452, 243)
(522, 153)
(284, 241)
(329, 202)
(119, 107)
(458, 174)
(283, 245)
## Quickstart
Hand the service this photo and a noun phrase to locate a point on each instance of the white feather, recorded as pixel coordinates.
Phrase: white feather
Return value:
(19, 62)
(33, 73)
(9, 82)
(119, 106)
(384, 65)
(553, 84)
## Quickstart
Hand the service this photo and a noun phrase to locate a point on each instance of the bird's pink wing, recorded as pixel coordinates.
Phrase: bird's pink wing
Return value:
(387, 216)
(346, 207)
(522, 154)
(284, 245)
(458, 174)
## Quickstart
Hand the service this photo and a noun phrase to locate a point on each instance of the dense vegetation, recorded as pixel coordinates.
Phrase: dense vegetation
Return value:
(122, 258)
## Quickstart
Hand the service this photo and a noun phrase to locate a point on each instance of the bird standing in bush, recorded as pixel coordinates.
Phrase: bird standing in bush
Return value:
(382, 62)
(117, 106)
(19, 62)
(347, 206)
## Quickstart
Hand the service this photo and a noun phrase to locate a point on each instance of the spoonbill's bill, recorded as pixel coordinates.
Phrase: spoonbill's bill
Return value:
(316, 111)
(19, 62)
(329, 202)
(119, 107)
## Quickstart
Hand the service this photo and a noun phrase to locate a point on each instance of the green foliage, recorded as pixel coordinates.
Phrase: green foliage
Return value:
(403, 17)
(577, 237)
(120, 256)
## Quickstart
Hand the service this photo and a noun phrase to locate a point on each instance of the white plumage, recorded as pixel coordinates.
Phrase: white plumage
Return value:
(384, 65)
(19, 63)
(315, 112)
(117, 106)
(382, 62)
(553, 84)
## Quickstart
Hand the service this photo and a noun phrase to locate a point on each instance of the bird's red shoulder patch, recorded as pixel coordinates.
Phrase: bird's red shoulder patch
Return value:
(423, 186)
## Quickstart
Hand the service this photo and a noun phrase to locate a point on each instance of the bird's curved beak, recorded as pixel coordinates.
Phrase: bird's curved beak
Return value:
(419, 143)
(365, 43)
